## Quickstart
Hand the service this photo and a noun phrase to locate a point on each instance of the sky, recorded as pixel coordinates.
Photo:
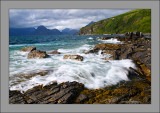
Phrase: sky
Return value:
(59, 18)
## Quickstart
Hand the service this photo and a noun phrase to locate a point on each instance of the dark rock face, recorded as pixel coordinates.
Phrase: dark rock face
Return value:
(54, 52)
(37, 54)
(64, 93)
(28, 49)
(106, 38)
(15, 97)
(74, 57)
(134, 35)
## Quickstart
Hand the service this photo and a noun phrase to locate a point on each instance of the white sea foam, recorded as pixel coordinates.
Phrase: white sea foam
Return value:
(90, 38)
(112, 40)
(93, 71)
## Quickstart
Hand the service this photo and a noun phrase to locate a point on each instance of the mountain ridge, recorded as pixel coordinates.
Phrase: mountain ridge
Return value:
(41, 30)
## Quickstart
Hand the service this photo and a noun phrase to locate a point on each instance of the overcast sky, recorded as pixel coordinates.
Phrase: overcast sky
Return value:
(59, 18)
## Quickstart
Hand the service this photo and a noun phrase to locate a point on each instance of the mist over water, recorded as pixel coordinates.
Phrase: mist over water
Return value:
(93, 71)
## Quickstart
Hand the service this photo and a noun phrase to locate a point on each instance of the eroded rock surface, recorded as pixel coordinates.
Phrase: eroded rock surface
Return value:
(74, 57)
(37, 54)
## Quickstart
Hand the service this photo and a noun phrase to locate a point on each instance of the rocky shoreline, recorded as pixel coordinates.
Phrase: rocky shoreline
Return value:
(135, 91)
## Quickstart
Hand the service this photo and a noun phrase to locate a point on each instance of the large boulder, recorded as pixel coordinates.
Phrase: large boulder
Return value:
(37, 54)
(28, 49)
(74, 57)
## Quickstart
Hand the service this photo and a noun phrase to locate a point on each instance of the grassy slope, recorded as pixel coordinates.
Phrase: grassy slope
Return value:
(135, 20)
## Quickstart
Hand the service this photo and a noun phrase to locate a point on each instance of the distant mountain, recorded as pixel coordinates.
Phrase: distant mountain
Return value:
(135, 20)
(90, 23)
(41, 30)
(68, 31)
(21, 31)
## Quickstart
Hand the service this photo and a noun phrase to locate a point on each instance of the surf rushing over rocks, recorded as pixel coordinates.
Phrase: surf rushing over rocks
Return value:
(108, 73)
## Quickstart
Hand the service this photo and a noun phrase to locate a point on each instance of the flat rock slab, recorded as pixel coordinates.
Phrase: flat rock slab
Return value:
(64, 93)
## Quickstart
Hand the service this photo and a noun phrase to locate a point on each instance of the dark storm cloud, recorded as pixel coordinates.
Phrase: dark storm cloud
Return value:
(59, 18)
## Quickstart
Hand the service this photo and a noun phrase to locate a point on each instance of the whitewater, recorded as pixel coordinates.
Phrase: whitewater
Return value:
(93, 71)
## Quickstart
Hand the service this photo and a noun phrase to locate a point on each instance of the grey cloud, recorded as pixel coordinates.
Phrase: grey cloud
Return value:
(59, 18)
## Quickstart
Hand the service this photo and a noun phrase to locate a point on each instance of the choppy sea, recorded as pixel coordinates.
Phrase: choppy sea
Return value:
(93, 71)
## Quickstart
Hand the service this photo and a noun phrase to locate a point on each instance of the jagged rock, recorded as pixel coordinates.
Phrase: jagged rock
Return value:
(28, 49)
(75, 57)
(54, 52)
(37, 54)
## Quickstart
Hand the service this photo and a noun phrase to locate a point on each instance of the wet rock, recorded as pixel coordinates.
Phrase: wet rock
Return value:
(124, 53)
(54, 52)
(66, 98)
(110, 55)
(88, 51)
(28, 49)
(106, 38)
(74, 57)
(107, 46)
(15, 97)
(50, 94)
(81, 98)
(37, 54)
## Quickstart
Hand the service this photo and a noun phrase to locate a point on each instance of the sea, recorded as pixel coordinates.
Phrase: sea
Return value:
(94, 72)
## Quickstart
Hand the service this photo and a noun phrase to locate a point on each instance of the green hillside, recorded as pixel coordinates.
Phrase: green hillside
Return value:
(135, 20)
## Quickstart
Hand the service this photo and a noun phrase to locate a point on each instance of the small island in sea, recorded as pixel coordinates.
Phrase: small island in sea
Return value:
(80, 56)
